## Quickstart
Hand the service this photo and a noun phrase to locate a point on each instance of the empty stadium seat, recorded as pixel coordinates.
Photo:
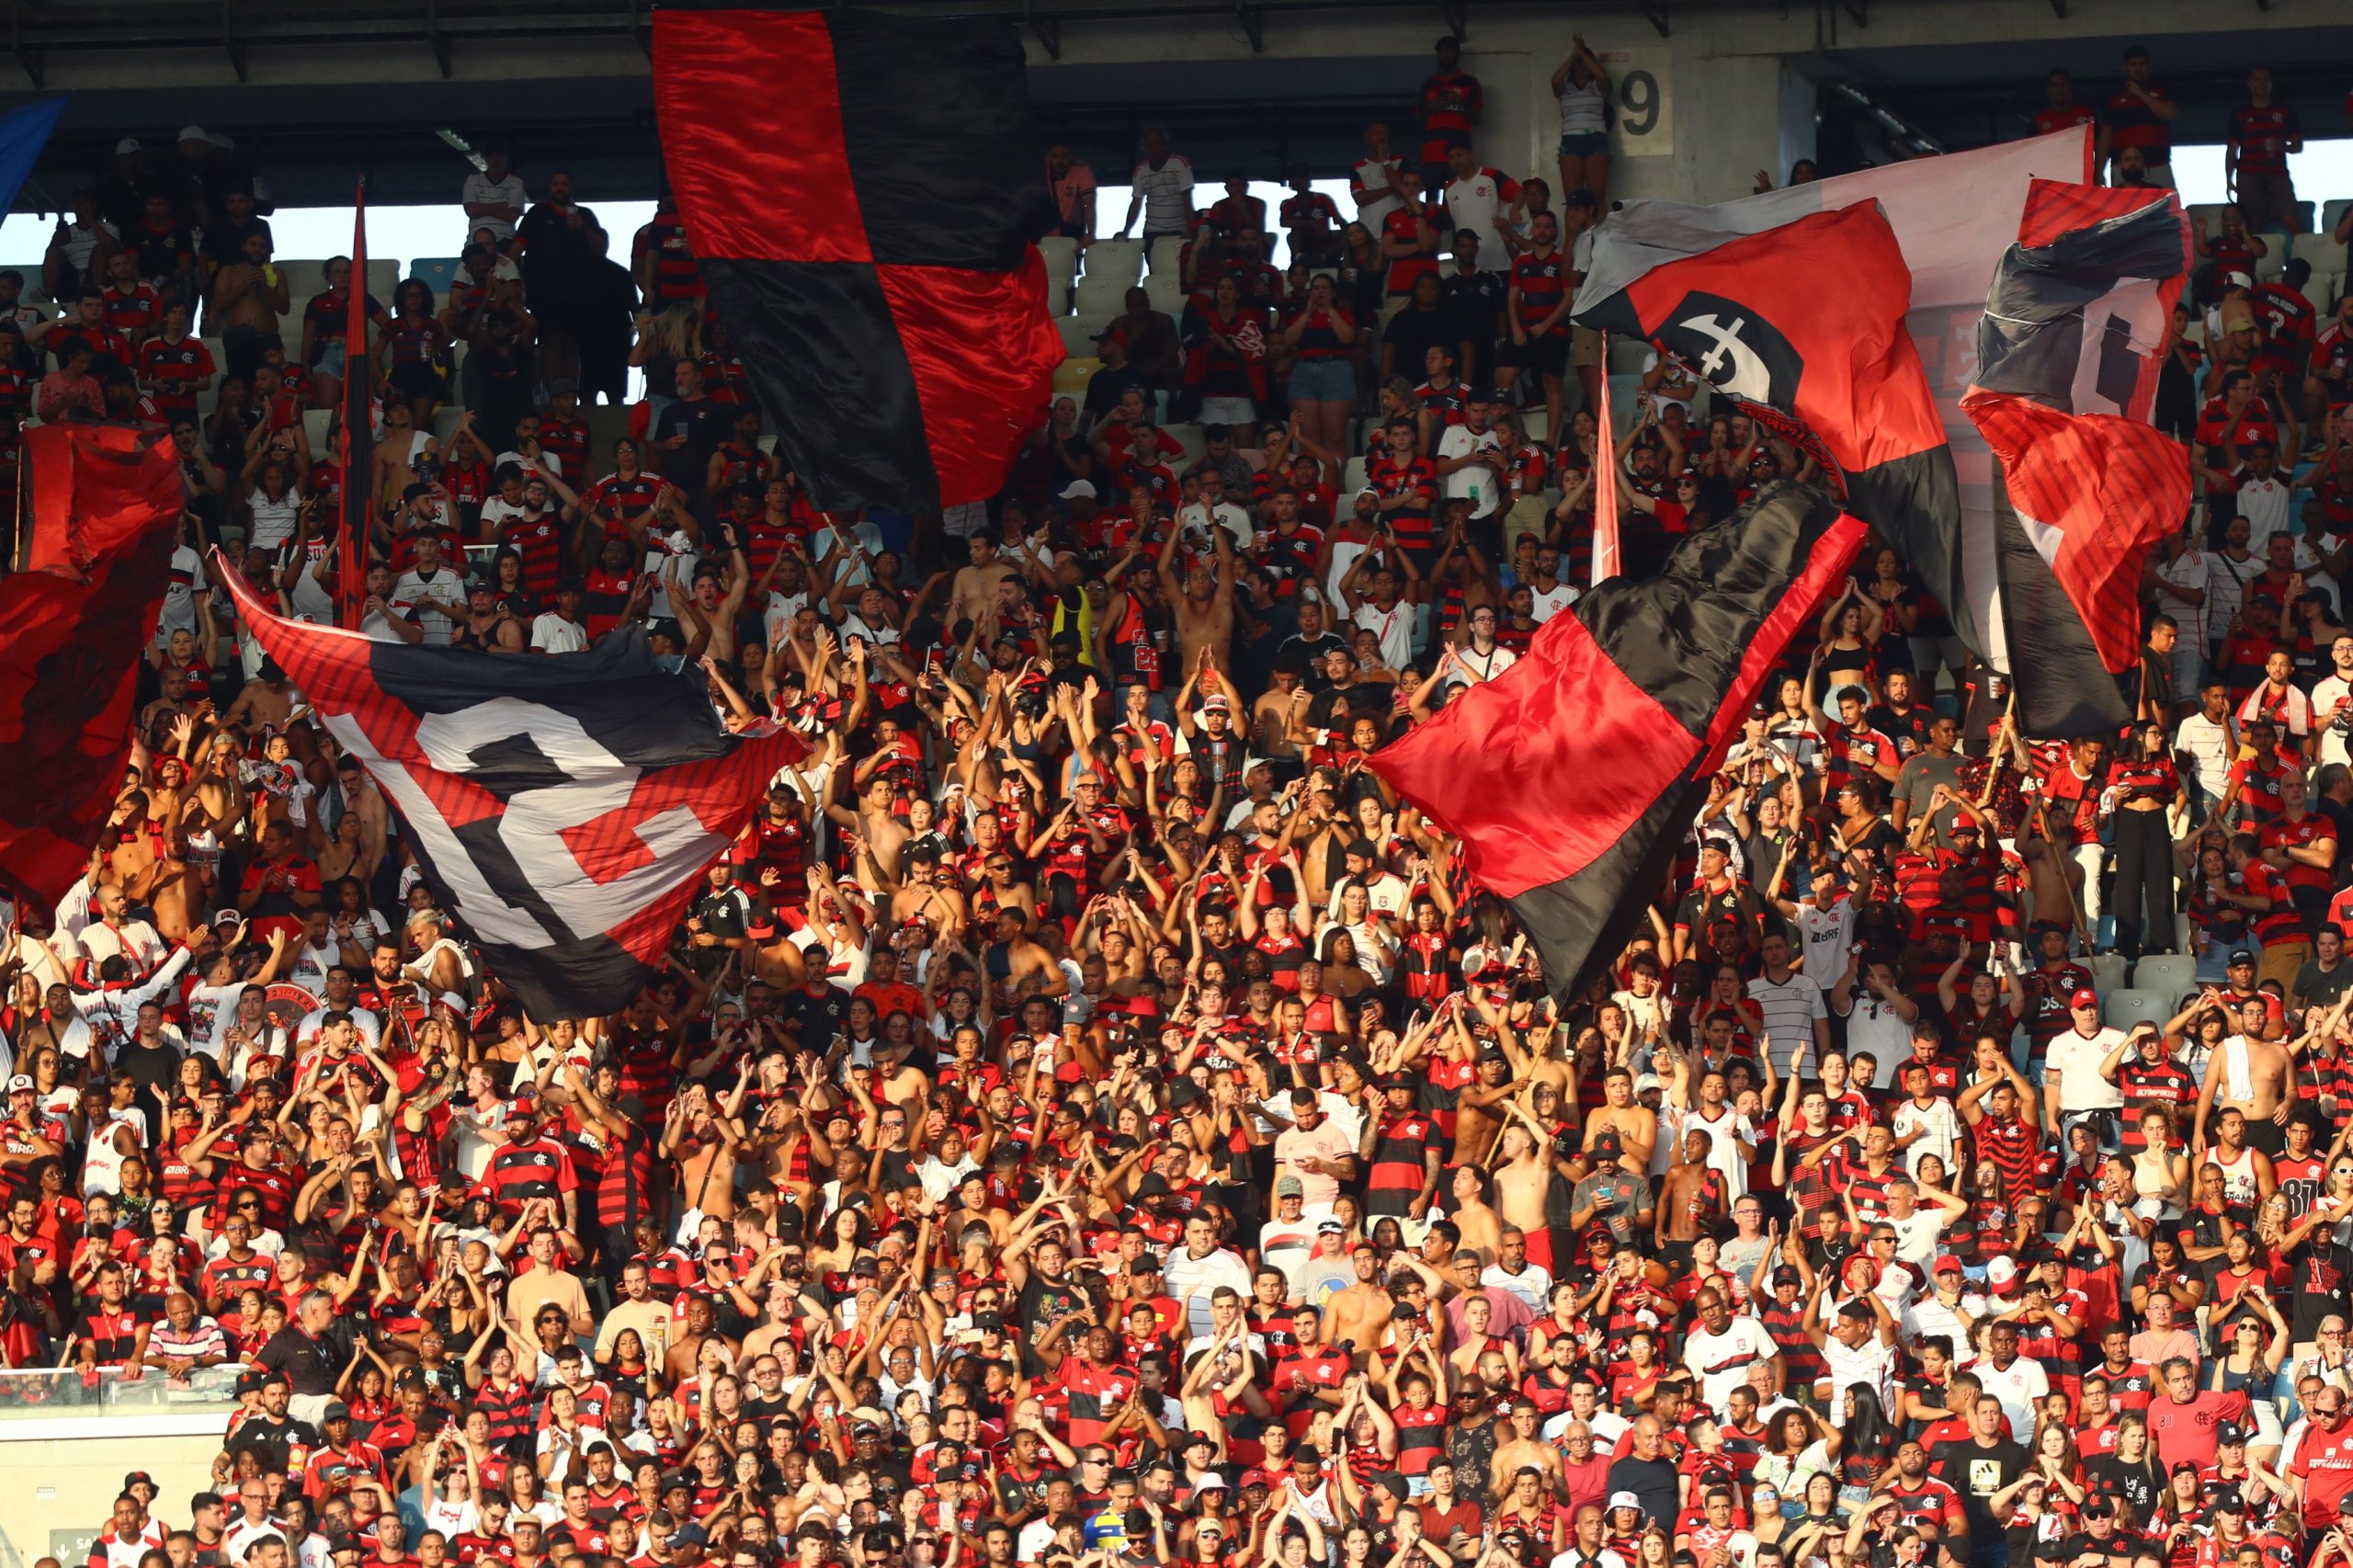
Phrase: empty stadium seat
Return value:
(2107, 971)
(303, 278)
(2167, 974)
(2209, 213)
(1061, 257)
(384, 276)
(1101, 297)
(2122, 1009)
(2325, 254)
(1354, 480)
(1079, 334)
(445, 422)
(436, 272)
(1072, 375)
(314, 426)
(1189, 437)
(1166, 291)
(2273, 261)
(1167, 254)
(2331, 211)
(1121, 261)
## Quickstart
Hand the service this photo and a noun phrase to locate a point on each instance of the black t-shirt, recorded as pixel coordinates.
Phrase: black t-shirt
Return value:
(1977, 1471)
(2138, 1484)
(820, 1015)
(705, 423)
(2320, 1272)
(1653, 1480)
(1472, 303)
(1414, 332)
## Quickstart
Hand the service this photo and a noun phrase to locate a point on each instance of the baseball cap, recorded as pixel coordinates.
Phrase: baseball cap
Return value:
(2240, 956)
(1331, 1227)
(1785, 1275)
(2099, 1509)
(1290, 1187)
(22, 1084)
(2002, 1274)
(2084, 996)
(1077, 488)
(1216, 703)
(1606, 1143)
(1948, 1265)
(2228, 1433)
(128, 145)
(1624, 1500)
(688, 1534)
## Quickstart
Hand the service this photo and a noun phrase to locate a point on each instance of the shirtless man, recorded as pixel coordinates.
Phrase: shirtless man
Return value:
(1631, 1128)
(1358, 1315)
(1521, 1185)
(2251, 1075)
(974, 591)
(1202, 605)
(1691, 1201)
(1482, 1228)
(876, 824)
(703, 1144)
(1018, 964)
(1523, 1450)
(1479, 1110)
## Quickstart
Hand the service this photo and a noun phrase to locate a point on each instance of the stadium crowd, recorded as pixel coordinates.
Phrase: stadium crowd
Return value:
(1087, 1119)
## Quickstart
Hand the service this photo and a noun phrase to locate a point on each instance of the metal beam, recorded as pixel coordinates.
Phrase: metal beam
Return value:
(2059, 9)
(436, 37)
(1254, 25)
(1458, 16)
(29, 59)
(1654, 12)
(1858, 9)
(1048, 28)
(229, 38)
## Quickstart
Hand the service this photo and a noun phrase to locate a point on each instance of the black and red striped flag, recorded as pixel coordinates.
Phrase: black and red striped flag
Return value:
(104, 500)
(358, 447)
(562, 810)
(1571, 778)
(862, 193)
(2067, 361)
(1803, 324)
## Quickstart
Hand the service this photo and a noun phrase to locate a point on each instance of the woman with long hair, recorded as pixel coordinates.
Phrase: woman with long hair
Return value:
(1582, 88)
(1794, 1451)
(2143, 789)
(2255, 1346)
(1864, 1446)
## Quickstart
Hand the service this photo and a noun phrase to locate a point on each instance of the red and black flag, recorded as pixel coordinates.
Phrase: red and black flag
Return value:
(2067, 361)
(861, 191)
(359, 440)
(563, 809)
(103, 502)
(1571, 778)
(1831, 368)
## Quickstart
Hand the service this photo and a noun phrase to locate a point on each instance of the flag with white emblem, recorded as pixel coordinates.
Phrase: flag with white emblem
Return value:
(561, 807)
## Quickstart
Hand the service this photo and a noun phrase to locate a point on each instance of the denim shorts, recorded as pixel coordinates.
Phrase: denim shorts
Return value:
(1322, 381)
(1586, 145)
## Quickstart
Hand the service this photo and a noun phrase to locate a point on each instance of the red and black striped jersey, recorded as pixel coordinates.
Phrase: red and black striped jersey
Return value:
(1542, 281)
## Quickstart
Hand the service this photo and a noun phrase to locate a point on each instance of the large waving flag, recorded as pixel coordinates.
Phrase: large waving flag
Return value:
(1754, 318)
(1953, 217)
(104, 500)
(2068, 355)
(562, 808)
(1571, 778)
(862, 193)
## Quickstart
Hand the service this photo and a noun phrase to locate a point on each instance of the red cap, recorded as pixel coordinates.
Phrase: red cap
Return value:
(1948, 1263)
(2084, 996)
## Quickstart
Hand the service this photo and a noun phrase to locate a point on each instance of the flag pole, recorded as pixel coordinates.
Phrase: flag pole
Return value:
(357, 444)
(1607, 556)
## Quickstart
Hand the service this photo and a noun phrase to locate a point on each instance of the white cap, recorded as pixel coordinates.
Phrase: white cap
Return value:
(1624, 1500)
(128, 145)
(2238, 280)
(1077, 488)
(195, 133)
(1648, 1080)
(2001, 1271)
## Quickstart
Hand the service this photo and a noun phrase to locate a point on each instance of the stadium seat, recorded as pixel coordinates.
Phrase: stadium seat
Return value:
(1536, 422)
(1079, 334)
(1167, 254)
(210, 396)
(315, 427)
(2325, 254)
(1121, 261)
(1101, 297)
(2107, 971)
(2209, 213)
(2321, 289)
(1353, 480)
(2273, 261)
(1061, 257)
(2167, 974)
(1189, 437)
(2331, 211)
(384, 276)
(1166, 291)
(2122, 1009)
(445, 422)
(436, 272)
(303, 278)
(1072, 375)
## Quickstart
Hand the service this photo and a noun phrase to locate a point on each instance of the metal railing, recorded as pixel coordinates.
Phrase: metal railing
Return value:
(46, 1393)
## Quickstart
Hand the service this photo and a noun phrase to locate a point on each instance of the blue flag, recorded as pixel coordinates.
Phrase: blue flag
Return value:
(23, 133)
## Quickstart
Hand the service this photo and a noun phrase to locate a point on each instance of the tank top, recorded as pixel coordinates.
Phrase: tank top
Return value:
(2238, 1178)
(1583, 111)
